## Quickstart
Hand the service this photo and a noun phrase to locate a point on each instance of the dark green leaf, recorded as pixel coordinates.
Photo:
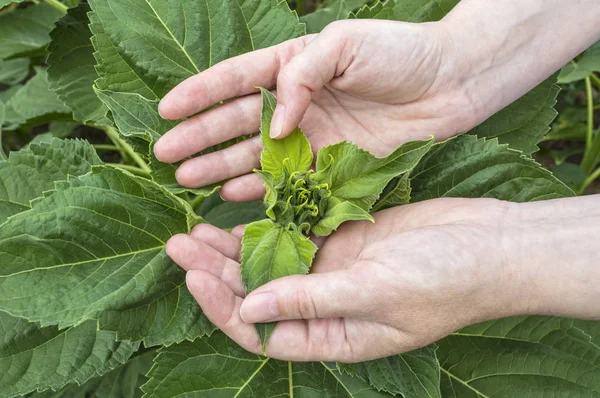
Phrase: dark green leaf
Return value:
(408, 10)
(569, 173)
(14, 71)
(582, 68)
(225, 215)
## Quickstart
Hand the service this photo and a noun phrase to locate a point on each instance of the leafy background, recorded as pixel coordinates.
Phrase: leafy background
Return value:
(91, 306)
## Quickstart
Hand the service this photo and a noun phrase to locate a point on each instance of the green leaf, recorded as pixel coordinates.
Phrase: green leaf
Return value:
(94, 248)
(4, 3)
(34, 103)
(218, 367)
(359, 177)
(523, 124)
(522, 357)
(329, 12)
(585, 66)
(569, 173)
(14, 71)
(468, 167)
(62, 129)
(2, 153)
(283, 157)
(270, 251)
(225, 215)
(413, 374)
(122, 382)
(71, 71)
(30, 172)
(26, 29)
(35, 358)
(397, 193)
(407, 10)
(338, 212)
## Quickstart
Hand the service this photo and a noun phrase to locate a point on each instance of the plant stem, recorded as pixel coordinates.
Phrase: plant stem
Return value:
(593, 177)
(107, 147)
(58, 5)
(197, 202)
(596, 79)
(132, 169)
(592, 146)
(114, 136)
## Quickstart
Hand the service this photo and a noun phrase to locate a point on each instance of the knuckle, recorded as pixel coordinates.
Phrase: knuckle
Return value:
(305, 306)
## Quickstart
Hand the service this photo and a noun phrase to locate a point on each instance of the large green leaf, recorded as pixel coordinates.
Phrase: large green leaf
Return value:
(414, 374)
(468, 167)
(94, 248)
(26, 29)
(123, 382)
(523, 124)
(14, 71)
(2, 153)
(582, 68)
(218, 367)
(270, 251)
(34, 358)
(223, 214)
(359, 177)
(407, 10)
(282, 158)
(71, 73)
(30, 172)
(522, 357)
(34, 103)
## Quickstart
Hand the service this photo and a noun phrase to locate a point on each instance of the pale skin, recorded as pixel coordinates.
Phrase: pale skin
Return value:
(423, 270)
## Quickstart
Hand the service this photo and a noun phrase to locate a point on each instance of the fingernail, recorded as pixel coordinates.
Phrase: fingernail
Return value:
(277, 121)
(261, 307)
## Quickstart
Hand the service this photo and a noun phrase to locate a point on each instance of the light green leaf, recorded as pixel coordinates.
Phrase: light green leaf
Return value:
(223, 214)
(270, 251)
(586, 65)
(283, 157)
(468, 167)
(359, 177)
(34, 358)
(397, 193)
(26, 29)
(62, 129)
(407, 10)
(338, 212)
(218, 367)
(35, 103)
(522, 357)
(413, 374)
(2, 153)
(122, 382)
(71, 71)
(14, 71)
(4, 3)
(523, 124)
(30, 172)
(94, 248)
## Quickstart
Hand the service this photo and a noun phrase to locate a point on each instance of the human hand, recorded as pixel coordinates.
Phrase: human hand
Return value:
(374, 83)
(420, 272)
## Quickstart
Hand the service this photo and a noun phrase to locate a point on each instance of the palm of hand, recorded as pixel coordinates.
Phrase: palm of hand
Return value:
(404, 282)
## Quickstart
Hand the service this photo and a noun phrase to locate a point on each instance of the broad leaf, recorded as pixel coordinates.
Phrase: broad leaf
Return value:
(522, 357)
(413, 374)
(408, 10)
(4, 3)
(71, 73)
(523, 124)
(30, 172)
(2, 153)
(468, 167)
(359, 177)
(14, 71)
(329, 12)
(582, 68)
(270, 251)
(283, 157)
(338, 212)
(218, 367)
(35, 103)
(26, 29)
(123, 382)
(225, 215)
(94, 248)
(397, 193)
(34, 358)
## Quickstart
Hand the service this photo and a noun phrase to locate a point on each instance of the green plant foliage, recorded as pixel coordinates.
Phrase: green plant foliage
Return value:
(226, 215)
(407, 10)
(583, 67)
(330, 11)
(14, 71)
(26, 30)
(2, 153)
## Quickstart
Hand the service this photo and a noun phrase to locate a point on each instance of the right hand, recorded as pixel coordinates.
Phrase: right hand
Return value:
(374, 83)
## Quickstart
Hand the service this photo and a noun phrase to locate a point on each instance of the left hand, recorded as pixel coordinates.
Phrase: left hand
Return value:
(420, 272)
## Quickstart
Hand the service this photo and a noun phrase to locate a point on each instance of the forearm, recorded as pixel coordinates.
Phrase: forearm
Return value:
(505, 48)
(553, 257)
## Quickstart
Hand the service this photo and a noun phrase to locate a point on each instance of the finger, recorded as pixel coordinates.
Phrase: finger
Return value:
(233, 77)
(191, 254)
(222, 307)
(218, 239)
(246, 188)
(323, 295)
(238, 231)
(321, 61)
(231, 120)
(230, 162)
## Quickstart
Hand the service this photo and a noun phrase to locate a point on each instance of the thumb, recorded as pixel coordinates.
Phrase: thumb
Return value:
(326, 295)
(321, 61)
